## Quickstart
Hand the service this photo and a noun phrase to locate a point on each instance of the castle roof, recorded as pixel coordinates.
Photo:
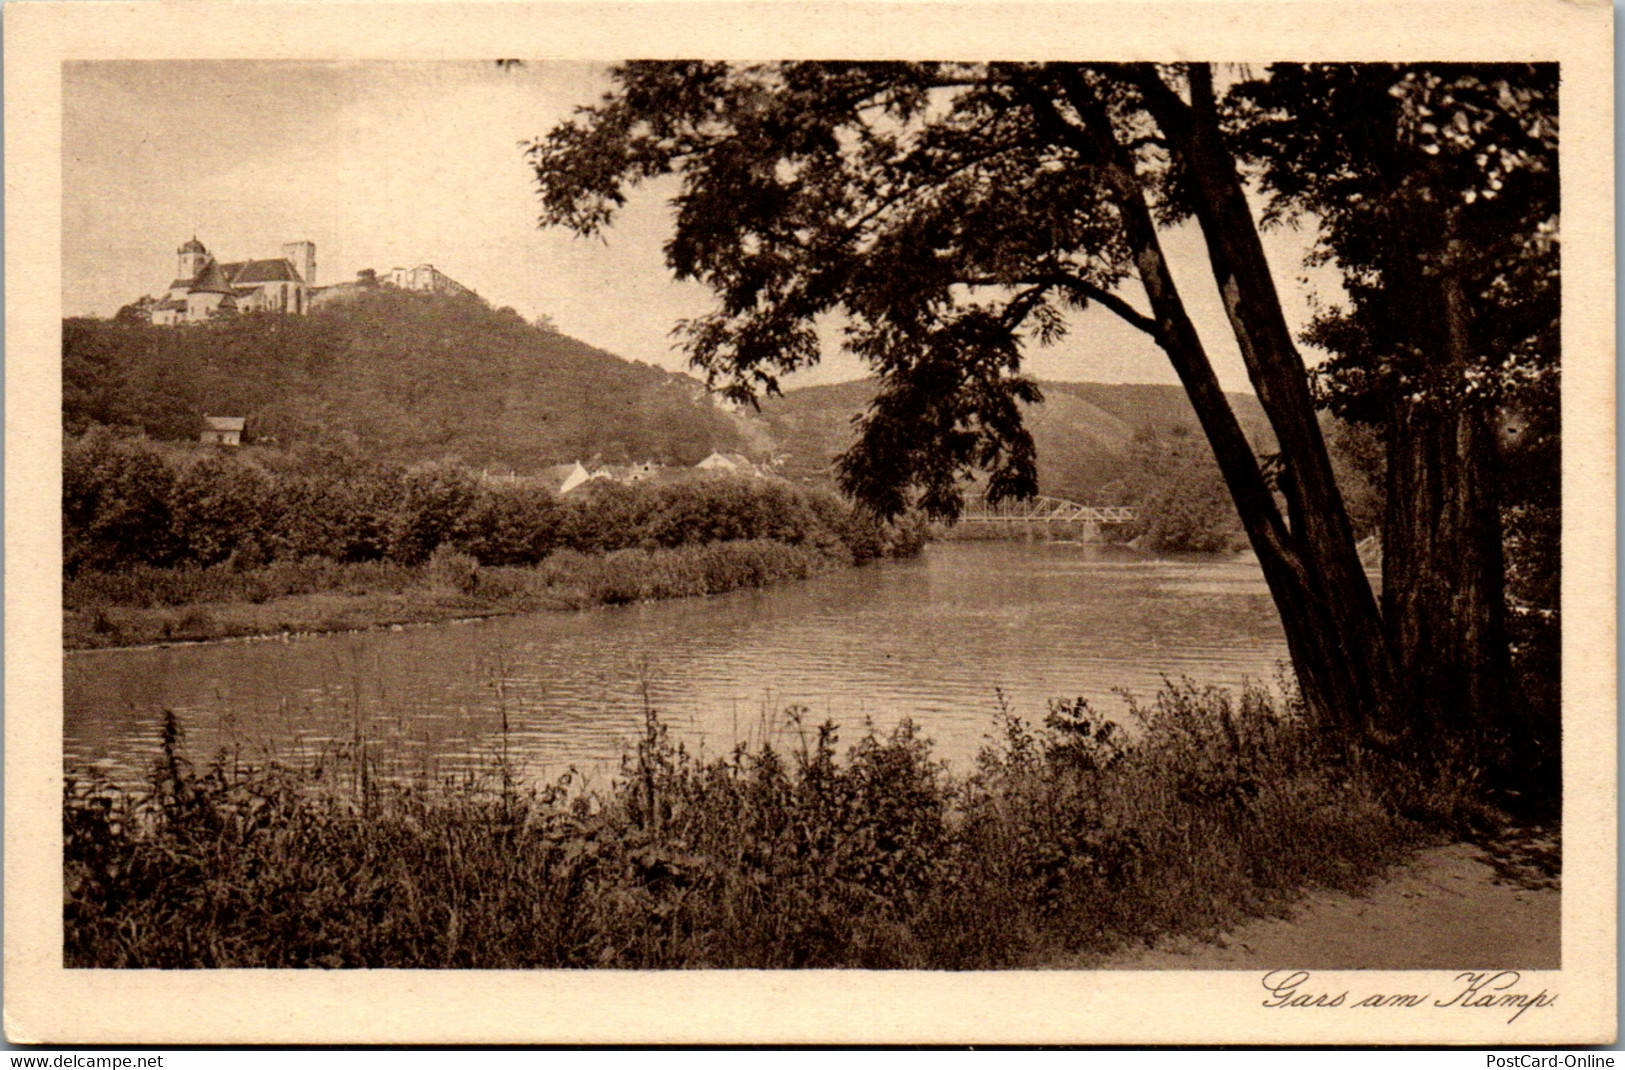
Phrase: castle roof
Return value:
(211, 280)
(193, 246)
(255, 272)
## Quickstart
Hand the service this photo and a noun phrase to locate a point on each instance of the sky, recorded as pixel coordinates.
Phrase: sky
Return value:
(386, 165)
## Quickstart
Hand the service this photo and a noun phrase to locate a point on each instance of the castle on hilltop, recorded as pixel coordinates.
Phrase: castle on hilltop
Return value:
(205, 288)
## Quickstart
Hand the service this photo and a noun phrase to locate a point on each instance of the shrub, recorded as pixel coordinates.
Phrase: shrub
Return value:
(453, 572)
(1180, 499)
(1069, 839)
(130, 503)
(604, 516)
(215, 506)
(520, 525)
(435, 502)
(144, 587)
(345, 514)
(116, 499)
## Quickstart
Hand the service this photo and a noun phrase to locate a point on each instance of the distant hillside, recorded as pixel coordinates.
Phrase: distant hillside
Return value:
(1082, 430)
(399, 375)
(811, 426)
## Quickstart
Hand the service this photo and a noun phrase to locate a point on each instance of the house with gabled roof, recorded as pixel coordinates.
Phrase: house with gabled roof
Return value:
(563, 478)
(736, 464)
(223, 430)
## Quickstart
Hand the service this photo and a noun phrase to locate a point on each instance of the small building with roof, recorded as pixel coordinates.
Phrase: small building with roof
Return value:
(563, 478)
(736, 464)
(223, 430)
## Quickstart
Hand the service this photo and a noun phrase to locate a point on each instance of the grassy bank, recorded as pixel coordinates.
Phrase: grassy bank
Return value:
(139, 604)
(1069, 840)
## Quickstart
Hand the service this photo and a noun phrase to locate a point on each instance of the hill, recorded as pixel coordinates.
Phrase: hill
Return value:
(398, 375)
(1083, 431)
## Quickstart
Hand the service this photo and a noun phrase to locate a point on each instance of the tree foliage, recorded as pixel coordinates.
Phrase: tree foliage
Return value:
(1435, 188)
(913, 202)
(1430, 170)
(1179, 497)
(949, 216)
(130, 502)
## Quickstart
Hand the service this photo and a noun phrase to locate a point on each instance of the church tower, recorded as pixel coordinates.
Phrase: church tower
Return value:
(192, 258)
(302, 255)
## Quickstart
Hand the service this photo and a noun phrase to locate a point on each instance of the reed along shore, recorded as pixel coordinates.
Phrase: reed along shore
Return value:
(1068, 840)
(142, 606)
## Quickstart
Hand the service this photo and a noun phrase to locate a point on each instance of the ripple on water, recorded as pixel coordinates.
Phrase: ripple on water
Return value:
(939, 639)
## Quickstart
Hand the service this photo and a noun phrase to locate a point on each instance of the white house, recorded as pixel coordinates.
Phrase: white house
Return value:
(563, 478)
(730, 464)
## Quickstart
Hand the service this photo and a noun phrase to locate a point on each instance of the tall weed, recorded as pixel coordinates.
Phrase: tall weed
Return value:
(1070, 839)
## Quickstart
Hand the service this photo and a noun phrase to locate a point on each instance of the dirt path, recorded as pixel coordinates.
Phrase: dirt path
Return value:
(1456, 907)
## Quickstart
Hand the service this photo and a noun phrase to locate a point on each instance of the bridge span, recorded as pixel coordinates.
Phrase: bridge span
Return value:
(1043, 513)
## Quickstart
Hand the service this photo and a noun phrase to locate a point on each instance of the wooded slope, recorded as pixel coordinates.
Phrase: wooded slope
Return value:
(1084, 432)
(400, 376)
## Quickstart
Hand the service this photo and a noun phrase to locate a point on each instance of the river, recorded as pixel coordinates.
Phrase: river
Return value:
(941, 639)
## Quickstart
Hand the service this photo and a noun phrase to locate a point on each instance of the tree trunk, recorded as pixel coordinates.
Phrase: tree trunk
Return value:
(1435, 661)
(1349, 634)
(1443, 571)
(1332, 633)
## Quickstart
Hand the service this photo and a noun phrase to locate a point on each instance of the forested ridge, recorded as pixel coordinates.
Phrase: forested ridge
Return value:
(399, 376)
(1082, 432)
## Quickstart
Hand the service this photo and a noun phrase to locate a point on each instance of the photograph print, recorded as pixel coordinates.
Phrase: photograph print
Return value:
(1081, 519)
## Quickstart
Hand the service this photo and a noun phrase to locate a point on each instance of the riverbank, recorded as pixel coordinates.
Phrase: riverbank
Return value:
(1070, 841)
(142, 606)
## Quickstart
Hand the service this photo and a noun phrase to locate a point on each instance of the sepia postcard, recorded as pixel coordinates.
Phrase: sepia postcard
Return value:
(810, 523)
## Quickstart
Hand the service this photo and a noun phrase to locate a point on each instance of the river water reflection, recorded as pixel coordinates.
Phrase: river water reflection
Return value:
(937, 639)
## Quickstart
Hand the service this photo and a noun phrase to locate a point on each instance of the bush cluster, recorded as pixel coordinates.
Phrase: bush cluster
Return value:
(1180, 500)
(1068, 841)
(140, 604)
(638, 575)
(130, 502)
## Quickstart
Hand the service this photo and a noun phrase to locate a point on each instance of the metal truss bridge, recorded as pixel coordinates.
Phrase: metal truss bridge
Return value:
(1043, 511)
